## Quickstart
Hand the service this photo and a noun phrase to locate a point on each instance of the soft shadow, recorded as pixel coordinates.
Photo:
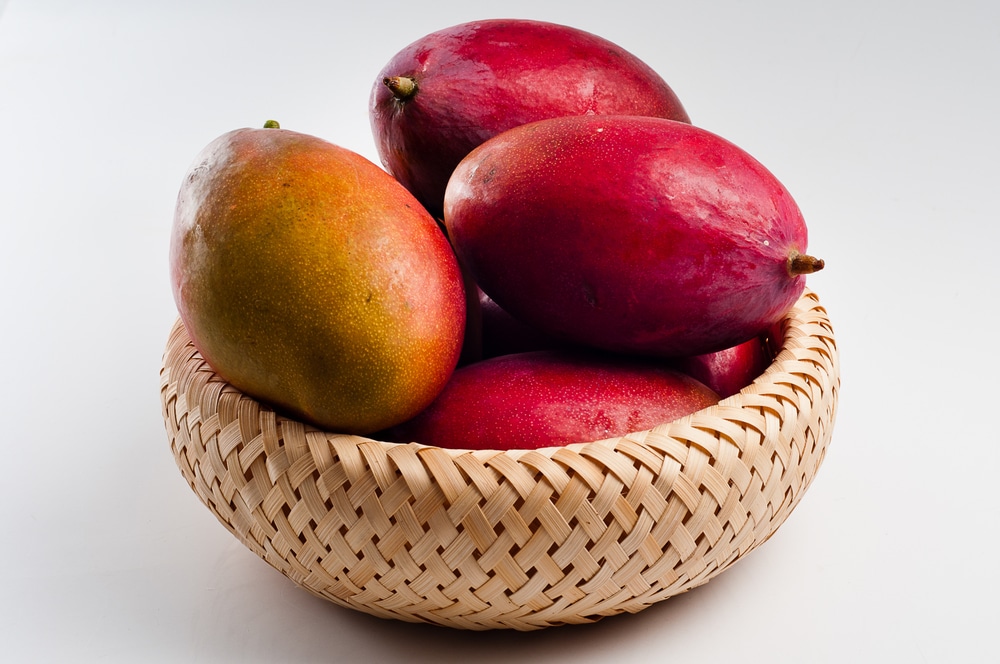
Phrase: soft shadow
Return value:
(376, 640)
(253, 614)
(604, 640)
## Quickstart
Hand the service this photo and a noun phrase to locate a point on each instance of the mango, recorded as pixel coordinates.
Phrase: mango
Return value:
(449, 91)
(551, 397)
(312, 280)
(630, 234)
(729, 370)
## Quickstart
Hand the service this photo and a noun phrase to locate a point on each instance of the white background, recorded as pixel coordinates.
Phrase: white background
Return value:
(881, 118)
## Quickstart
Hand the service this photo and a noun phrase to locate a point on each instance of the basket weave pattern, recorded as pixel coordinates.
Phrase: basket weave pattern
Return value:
(520, 539)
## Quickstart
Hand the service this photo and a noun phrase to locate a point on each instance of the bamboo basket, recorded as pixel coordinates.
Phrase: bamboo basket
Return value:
(520, 539)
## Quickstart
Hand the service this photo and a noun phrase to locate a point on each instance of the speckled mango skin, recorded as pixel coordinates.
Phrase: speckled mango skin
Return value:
(552, 397)
(311, 280)
(479, 78)
(631, 234)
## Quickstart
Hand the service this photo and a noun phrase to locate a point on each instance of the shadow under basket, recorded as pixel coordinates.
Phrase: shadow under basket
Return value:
(517, 539)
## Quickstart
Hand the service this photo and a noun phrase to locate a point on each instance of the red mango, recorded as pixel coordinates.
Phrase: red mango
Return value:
(547, 398)
(630, 234)
(450, 90)
(729, 370)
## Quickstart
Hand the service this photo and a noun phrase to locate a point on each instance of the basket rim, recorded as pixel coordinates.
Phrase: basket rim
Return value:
(801, 323)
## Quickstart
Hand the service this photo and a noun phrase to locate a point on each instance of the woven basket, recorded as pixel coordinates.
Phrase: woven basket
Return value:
(520, 539)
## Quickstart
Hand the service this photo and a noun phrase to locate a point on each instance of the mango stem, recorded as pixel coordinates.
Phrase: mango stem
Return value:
(804, 264)
(403, 88)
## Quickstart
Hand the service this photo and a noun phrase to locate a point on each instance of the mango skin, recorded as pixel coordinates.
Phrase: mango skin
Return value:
(477, 79)
(630, 234)
(729, 370)
(549, 398)
(725, 372)
(310, 279)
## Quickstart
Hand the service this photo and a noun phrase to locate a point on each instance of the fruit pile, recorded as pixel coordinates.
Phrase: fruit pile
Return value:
(552, 252)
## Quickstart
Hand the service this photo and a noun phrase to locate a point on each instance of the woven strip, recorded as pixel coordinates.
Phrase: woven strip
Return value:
(519, 539)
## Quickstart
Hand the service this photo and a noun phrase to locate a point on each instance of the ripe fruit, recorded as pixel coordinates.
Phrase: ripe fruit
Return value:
(630, 234)
(310, 279)
(547, 398)
(729, 370)
(451, 90)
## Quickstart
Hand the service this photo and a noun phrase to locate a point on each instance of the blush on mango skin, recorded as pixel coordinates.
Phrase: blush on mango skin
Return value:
(631, 234)
(549, 398)
(449, 91)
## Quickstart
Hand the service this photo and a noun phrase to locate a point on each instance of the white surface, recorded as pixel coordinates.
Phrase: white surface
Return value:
(880, 116)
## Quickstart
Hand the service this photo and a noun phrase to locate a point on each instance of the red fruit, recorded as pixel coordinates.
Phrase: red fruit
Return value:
(547, 398)
(730, 370)
(631, 234)
(451, 90)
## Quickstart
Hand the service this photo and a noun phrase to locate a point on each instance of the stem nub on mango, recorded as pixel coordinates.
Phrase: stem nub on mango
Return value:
(403, 87)
(804, 264)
